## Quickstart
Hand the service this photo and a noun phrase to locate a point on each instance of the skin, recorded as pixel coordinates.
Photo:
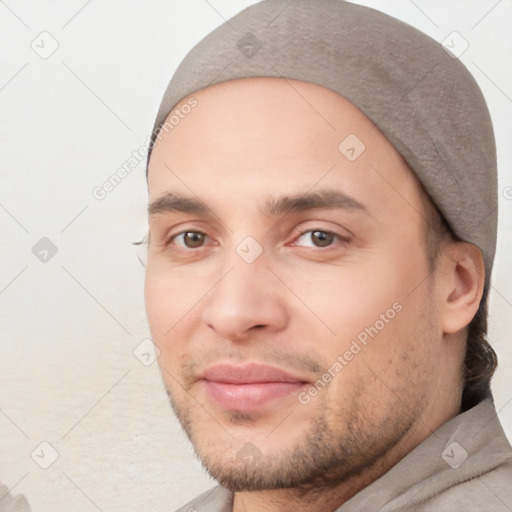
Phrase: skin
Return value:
(299, 305)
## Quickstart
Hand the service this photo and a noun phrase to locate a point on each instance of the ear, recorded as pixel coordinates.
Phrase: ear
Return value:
(461, 284)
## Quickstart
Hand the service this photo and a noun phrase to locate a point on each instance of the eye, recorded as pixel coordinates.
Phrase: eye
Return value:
(318, 238)
(189, 239)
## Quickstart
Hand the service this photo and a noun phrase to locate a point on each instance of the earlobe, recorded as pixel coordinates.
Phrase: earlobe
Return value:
(462, 288)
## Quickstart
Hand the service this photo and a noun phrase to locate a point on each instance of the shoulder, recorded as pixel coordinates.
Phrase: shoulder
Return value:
(217, 499)
(9, 503)
(491, 491)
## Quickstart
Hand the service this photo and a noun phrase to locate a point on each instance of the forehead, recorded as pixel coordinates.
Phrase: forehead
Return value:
(267, 135)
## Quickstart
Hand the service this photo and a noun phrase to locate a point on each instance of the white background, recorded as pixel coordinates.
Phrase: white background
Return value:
(68, 375)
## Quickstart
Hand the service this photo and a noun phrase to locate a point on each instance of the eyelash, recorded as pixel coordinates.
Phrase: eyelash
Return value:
(340, 239)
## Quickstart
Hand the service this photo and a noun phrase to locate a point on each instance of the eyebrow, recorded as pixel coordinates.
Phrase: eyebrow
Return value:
(311, 200)
(171, 203)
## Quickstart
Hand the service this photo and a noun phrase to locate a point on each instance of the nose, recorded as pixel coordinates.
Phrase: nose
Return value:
(247, 299)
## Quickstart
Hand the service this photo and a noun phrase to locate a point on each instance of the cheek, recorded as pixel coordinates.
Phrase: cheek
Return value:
(378, 364)
(162, 317)
(157, 302)
(173, 308)
(169, 303)
(365, 308)
(345, 298)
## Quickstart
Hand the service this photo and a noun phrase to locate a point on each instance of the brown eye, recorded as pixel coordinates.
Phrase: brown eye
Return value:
(190, 239)
(317, 238)
(322, 238)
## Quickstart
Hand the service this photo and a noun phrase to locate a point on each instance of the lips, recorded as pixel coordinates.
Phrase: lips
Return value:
(248, 387)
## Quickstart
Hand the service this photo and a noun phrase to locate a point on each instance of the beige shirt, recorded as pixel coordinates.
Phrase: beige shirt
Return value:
(8, 503)
(464, 465)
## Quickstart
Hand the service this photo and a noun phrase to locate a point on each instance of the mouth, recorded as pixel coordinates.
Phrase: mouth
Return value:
(248, 387)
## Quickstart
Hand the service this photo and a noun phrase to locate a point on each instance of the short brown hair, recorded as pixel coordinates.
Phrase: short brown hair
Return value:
(480, 361)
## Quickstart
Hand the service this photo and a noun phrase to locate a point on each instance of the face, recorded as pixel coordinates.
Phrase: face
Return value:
(287, 285)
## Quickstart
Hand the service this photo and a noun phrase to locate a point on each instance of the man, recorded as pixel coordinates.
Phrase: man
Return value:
(322, 229)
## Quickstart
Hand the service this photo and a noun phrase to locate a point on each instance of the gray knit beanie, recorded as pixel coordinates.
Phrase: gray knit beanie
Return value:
(418, 94)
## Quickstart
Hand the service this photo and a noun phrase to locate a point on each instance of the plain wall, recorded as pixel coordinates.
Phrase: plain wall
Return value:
(70, 325)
